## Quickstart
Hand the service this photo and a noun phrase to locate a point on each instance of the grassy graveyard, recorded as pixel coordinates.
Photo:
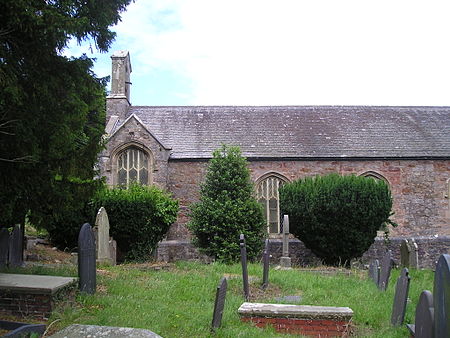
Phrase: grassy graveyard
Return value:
(177, 300)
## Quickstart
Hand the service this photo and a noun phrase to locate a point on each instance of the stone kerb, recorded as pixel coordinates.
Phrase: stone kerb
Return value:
(323, 321)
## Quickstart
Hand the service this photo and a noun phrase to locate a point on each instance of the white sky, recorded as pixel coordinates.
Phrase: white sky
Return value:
(299, 52)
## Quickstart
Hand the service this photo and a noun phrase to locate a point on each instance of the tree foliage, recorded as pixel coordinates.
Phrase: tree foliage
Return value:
(139, 217)
(227, 208)
(337, 217)
(52, 109)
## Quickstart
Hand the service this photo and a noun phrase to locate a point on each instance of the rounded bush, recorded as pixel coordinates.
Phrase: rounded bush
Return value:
(139, 217)
(227, 208)
(337, 217)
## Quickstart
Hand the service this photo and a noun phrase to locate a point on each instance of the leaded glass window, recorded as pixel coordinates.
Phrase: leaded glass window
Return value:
(267, 195)
(132, 166)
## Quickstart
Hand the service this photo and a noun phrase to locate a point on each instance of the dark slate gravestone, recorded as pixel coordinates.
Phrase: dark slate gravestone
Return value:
(4, 246)
(386, 266)
(405, 253)
(15, 247)
(400, 298)
(374, 271)
(441, 295)
(266, 258)
(86, 259)
(219, 304)
(244, 266)
(424, 326)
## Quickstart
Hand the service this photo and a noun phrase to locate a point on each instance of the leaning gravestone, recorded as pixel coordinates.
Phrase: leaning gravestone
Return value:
(15, 247)
(219, 304)
(424, 325)
(374, 271)
(386, 266)
(244, 266)
(400, 298)
(266, 259)
(102, 226)
(4, 246)
(441, 295)
(414, 257)
(86, 259)
(405, 253)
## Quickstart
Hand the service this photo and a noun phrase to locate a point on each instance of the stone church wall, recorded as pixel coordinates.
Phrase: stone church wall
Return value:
(419, 189)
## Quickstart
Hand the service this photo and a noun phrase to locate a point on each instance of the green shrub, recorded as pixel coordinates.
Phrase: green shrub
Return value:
(227, 208)
(139, 217)
(337, 217)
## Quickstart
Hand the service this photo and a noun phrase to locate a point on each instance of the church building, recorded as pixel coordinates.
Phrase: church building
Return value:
(169, 146)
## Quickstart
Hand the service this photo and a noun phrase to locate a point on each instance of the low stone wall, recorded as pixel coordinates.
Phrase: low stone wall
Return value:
(430, 248)
(316, 321)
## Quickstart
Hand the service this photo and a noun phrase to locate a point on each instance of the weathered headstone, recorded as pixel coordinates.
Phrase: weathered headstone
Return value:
(424, 322)
(113, 251)
(219, 304)
(16, 247)
(400, 298)
(405, 253)
(102, 244)
(285, 260)
(441, 293)
(4, 246)
(385, 273)
(244, 266)
(266, 259)
(414, 257)
(86, 259)
(374, 271)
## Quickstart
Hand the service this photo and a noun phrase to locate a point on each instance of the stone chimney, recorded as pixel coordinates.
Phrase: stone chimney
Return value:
(118, 101)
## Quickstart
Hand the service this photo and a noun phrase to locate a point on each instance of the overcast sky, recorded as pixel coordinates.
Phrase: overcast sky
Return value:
(299, 52)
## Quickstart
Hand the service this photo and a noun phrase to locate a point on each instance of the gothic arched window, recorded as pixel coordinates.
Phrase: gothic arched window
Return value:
(267, 195)
(133, 166)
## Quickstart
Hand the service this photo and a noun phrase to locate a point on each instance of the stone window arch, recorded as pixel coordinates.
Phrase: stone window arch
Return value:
(375, 175)
(132, 163)
(267, 195)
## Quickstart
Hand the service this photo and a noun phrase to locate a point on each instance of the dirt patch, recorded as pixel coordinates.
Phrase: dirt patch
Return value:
(149, 266)
(46, 254)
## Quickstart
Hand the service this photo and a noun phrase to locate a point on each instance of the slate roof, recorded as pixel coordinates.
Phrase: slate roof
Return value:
(303, 132)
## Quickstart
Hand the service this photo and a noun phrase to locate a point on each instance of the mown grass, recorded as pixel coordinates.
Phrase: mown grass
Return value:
(178, 302)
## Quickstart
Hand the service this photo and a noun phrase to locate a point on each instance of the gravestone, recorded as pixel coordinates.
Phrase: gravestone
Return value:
(86, 260)
(385, 273)
(405, 253)
(244, 266)
(113, 251)
(16, 247)
(102, 244)
(400, 298)
(424, 321)
(285, 260)
(374, 271)
(441, 293)
(414, 257)
(4, 246)
(219, 304)
(266, 259)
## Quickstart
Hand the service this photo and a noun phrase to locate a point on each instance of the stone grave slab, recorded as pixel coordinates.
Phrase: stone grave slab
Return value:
(34, 284)
(424, 321)
(102, 243)
(285, 260)
(441, 294)
(219, 304)
(400, 298)
(95, 331)
(414, 257)
(266, 260)
(385, 273)
(86, 260)
(374, 271)
(405, 253)
(15, 247)
(244, 267)
(4, 246)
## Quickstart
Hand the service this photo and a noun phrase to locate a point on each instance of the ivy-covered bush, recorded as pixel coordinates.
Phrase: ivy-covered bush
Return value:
(227, 208)
(139, 217)
(337, 217)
